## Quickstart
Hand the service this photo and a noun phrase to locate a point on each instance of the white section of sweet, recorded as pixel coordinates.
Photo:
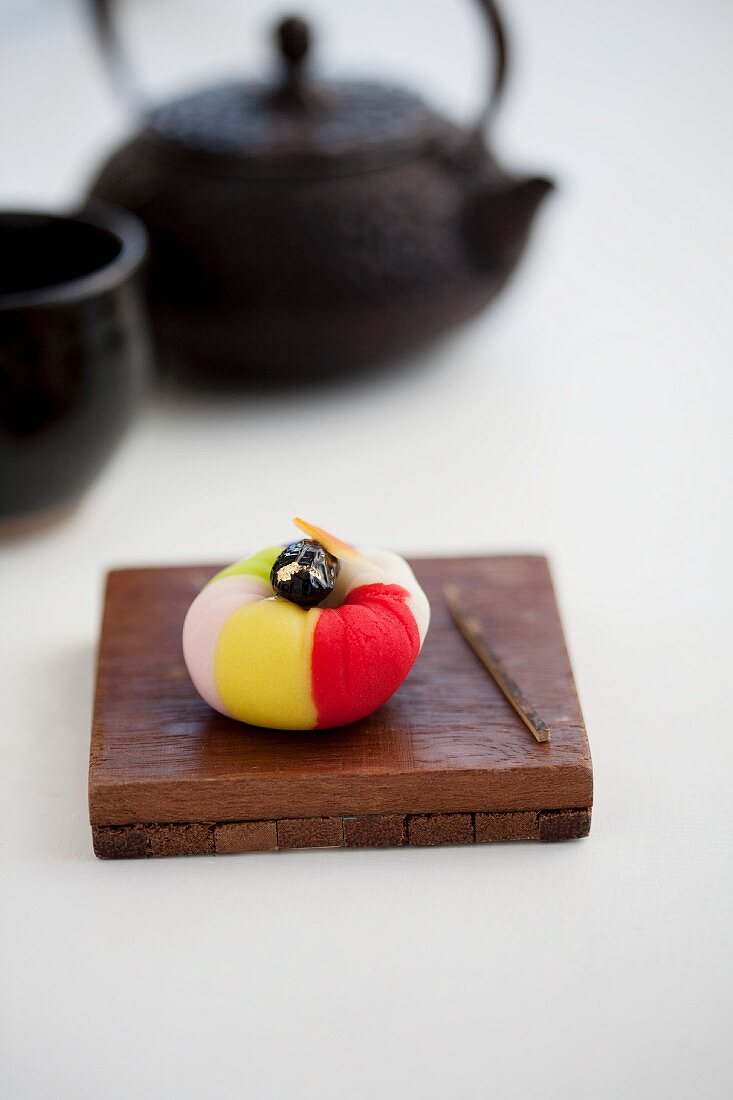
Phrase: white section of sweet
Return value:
(382, 567)
(397, 571)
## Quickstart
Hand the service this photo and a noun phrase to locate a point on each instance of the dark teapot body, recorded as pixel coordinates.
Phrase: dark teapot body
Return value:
(275, 279)
(302, 263)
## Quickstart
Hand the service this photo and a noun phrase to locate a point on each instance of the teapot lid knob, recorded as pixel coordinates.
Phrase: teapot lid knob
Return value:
(294, 38)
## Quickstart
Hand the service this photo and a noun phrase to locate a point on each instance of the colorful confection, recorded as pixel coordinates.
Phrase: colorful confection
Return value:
(305, 636)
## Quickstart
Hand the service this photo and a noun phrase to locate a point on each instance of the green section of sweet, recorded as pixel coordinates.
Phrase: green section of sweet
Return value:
(259, 565)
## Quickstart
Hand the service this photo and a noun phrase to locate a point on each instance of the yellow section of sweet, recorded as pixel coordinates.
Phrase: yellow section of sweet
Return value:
(263, 664)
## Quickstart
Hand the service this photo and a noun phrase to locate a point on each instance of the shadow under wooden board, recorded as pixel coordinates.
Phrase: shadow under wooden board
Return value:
(445, 761)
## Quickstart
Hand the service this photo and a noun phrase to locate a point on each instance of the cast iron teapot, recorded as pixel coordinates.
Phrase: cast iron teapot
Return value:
(304, 229)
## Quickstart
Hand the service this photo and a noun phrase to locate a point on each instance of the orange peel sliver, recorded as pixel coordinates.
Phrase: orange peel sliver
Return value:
(332, 543)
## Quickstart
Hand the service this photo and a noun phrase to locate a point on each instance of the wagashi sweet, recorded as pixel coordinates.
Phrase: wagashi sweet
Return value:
(306, 635)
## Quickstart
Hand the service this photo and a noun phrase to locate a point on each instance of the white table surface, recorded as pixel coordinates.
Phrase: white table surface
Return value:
(588, 415)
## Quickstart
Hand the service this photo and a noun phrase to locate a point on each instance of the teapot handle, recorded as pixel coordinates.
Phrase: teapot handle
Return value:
(126, 85)
(497, 80)
(118, 66)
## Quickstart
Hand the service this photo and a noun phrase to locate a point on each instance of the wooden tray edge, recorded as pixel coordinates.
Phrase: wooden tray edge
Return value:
(145, 841)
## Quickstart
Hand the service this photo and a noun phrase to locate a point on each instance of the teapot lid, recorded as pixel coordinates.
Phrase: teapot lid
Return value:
(296, 127)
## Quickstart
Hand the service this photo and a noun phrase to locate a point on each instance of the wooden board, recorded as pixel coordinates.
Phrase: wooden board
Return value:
(447, 760)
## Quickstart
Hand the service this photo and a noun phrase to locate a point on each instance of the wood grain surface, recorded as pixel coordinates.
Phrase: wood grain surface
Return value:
(448, 743)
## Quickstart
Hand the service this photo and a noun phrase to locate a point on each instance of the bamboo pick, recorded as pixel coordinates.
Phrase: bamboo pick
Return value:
(471, 630)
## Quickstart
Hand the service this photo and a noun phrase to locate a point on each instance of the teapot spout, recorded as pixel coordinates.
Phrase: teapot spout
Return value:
(497, 221)
(527, 194)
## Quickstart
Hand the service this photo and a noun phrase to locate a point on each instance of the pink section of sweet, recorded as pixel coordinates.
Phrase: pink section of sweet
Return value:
(203, 624)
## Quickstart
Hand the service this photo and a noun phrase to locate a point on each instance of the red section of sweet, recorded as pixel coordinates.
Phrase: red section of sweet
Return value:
(362, 652)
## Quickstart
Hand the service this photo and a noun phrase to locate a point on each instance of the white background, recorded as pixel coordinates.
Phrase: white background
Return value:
(587, 415)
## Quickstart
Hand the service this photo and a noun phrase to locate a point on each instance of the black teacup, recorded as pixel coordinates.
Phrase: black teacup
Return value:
(74, 350)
